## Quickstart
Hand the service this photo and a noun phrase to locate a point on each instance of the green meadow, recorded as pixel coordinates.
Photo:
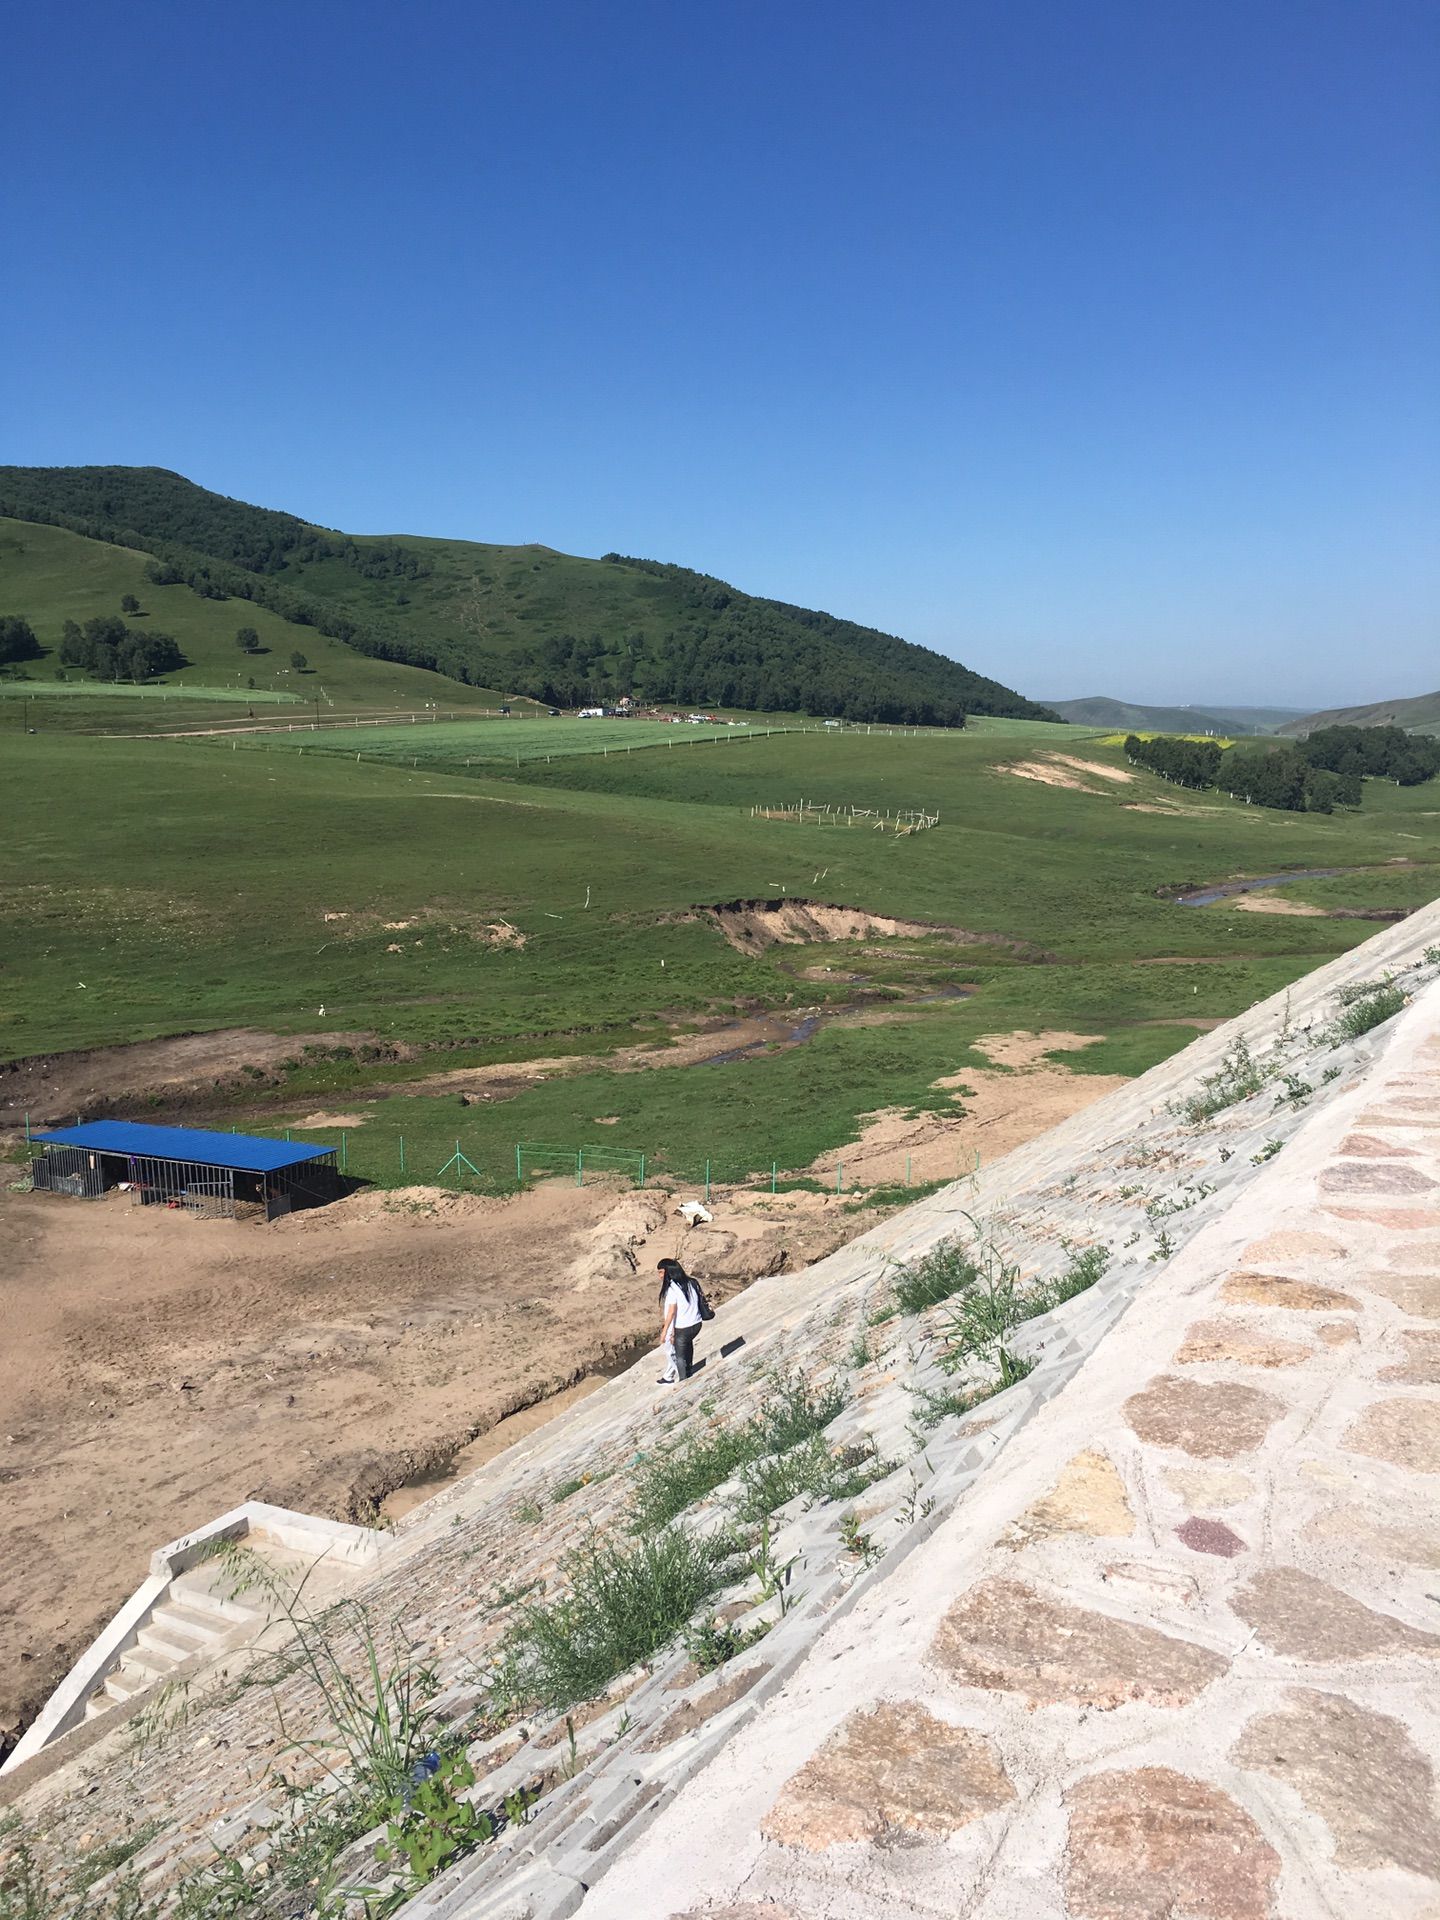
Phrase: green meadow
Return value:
(154, 886)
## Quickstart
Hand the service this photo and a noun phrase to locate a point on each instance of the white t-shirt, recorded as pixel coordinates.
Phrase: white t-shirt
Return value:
(687, 1311)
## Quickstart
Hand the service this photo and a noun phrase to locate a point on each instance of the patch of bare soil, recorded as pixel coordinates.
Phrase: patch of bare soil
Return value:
(750, 926)
(317, 1122)
(1266, 901)
(159, 1369)
(1065, 770)
(997, 1110)
(1118, 774)
(54, 1088)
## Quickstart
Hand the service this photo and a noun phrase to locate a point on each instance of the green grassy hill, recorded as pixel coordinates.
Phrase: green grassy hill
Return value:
(51, 575)
(525, 619)
(1418, 715)
(1100, 711)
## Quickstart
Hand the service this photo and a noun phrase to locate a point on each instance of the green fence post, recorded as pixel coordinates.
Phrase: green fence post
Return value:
(519, 1175)
(287, 1133)
(907, 1169)
(642, 1157)
(839, 1176)
(27, 1129)
(774, 1170)
(402, 1153)
(707, 1183)
(579, 1166)
(344, 1149)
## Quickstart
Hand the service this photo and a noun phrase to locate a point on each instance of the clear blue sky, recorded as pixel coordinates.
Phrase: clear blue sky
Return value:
(1095, 344)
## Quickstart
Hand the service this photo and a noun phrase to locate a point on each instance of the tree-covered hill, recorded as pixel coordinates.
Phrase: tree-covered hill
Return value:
(525, 619)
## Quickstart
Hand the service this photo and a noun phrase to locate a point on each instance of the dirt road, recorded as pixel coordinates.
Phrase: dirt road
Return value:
(158, 1369)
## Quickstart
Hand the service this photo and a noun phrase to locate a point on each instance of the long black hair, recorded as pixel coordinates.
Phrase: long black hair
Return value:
(672, 1271)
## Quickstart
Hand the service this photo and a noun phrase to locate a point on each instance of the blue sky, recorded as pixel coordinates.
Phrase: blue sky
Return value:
(1095, 344)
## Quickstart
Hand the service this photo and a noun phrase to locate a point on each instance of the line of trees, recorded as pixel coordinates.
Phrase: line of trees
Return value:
(1390, 753)
(1316, 775)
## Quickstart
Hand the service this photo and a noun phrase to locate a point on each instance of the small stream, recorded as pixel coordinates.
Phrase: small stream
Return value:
(1206, 896)
(805, 1026)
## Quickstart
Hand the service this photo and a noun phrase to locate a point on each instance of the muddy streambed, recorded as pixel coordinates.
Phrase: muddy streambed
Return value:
(793, 1030)
(1207, 896)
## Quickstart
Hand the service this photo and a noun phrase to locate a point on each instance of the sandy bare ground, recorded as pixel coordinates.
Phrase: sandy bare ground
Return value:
(156, 1369)
(1267, 901)
(1065, 770)
(996, 1111)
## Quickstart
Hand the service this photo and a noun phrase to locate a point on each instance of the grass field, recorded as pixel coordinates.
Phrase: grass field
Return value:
(451, 746)
(158, 886)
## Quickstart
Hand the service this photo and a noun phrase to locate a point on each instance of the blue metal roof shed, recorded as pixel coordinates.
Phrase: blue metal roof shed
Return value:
(230, 1175)
(241, 1152)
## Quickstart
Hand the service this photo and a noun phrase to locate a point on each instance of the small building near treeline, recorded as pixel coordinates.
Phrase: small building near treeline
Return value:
(218, 1175)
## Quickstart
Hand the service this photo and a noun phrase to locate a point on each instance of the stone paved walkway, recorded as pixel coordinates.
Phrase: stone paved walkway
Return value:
(1178, 1655)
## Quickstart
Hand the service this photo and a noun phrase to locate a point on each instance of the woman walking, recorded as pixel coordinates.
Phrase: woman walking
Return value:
(680, 1318)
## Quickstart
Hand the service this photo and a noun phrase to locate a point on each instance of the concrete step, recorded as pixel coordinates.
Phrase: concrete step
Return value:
(147, 1665)
(180, 1631)
(121, 1685)
(198, 1592)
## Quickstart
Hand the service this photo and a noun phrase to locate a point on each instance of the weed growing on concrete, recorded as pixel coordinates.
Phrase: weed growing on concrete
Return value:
(1295, 1089)
(860, 1545)
(859, 1355)
(913, 1507)
(771, 1576)
(672, 1482)
(1163, 1248)
(710, 1643)
(1081, 1274)
(529, 1513)
(1014, 1367)
(934, 1404)
(1365, 1005)
(623, 1604)
(1237, 1077)
(564, 1491)
(433, 1826)
(1267, 1152)
(984, 1317)
(939, 1275)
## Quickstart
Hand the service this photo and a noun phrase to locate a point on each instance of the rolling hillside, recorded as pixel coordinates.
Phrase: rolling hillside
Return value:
(1419, 715)
(524, 619)
(1099, 711)
(51, 575)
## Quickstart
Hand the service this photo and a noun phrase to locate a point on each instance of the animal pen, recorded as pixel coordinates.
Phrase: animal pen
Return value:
(812, 814)
(229, 1176)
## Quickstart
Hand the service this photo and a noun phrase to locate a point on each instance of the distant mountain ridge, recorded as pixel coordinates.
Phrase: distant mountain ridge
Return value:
(525, 618)
(1101, 711)
(1421, 714)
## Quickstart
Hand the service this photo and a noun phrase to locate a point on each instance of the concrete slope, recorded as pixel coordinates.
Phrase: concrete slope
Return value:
(1179, 1651)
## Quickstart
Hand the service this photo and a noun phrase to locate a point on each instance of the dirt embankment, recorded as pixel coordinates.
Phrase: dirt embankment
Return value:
(158, 1369)
(57, 1087)
(752, 926)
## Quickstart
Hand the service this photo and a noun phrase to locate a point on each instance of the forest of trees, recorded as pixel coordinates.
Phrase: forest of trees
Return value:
(1314, 775)
(110, 650)
(703, 642)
